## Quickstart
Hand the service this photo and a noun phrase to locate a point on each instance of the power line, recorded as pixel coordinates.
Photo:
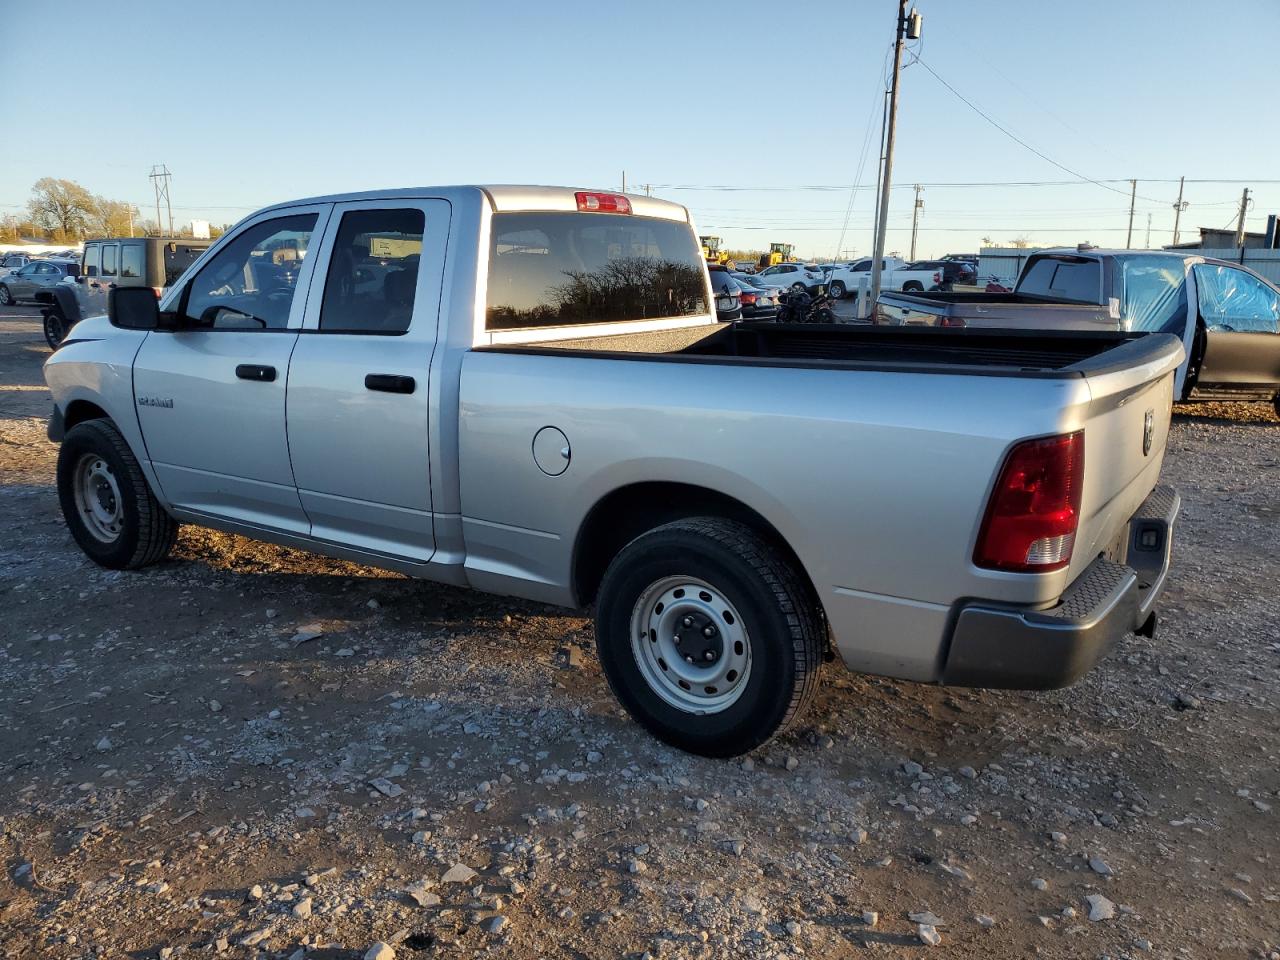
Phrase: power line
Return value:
(1018, 140)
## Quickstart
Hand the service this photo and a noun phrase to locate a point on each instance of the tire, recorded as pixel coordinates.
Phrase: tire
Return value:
(799, 288)
(55, 326)
(837, 289)
(102, 489)
(765, 629)
(825, 315)
(6, 298)
(912, 285)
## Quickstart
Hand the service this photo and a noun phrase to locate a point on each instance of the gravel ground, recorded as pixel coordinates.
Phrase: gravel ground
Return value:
(250, 751)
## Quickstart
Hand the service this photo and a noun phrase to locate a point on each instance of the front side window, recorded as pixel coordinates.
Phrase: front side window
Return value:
(250, 283)
(131, 260)
(92, 259)
(109, 259)
(555, 269)
(373, 272)
(1235, 301)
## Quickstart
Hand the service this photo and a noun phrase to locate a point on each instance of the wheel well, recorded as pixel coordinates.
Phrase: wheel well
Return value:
(78, 411)
(628, 512)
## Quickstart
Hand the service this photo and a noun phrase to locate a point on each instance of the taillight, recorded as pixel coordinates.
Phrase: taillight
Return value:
(602, 203)
(952, 322)
(747, 298)
(158, 291)
(1030, 524)
(937, 278)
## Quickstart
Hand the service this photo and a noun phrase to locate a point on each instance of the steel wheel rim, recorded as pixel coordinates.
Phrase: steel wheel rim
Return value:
(98, 499)
(686, 607)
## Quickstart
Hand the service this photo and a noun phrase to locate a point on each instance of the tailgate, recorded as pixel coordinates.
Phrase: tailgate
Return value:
(1126, 426)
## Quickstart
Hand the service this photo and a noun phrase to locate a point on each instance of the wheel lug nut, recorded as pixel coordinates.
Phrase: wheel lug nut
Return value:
(710, 655)
(708, 631)
(688, 659)
(677, 638)
(687, 621)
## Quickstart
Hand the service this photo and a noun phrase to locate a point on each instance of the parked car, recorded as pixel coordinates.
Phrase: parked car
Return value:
(552, 411)
(759, 299)
(727, 291)
(153, 262)
(13, 262)
(1227, 317)
(38, 276)
(793, 276)
(952, 271)
(895, 274)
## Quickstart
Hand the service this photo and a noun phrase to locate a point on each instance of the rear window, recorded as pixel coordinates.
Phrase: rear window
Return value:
(1078, 280)
(177, 257)
(555, 269)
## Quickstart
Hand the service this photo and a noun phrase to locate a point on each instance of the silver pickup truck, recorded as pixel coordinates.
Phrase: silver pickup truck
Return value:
(524, 390)
(1227, 316)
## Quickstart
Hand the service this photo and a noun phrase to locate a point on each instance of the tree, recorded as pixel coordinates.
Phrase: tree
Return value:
(62, 206)
(1020, 243)
(115, 218)
(9, 229)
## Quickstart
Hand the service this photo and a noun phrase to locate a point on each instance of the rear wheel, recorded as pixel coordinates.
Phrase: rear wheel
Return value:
(707, 636)
(55, 326)
(6, 298)
(837, 289)
(110, 510)
(912, 285)
(798, 288)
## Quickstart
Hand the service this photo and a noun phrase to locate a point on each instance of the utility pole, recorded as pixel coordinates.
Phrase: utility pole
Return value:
(624, 181)
(1148, 243)
(1133, 199)
(915, 218)
(1178, 208)
(130, 206)
(908, 28)
(1244, 206)
(160, 180)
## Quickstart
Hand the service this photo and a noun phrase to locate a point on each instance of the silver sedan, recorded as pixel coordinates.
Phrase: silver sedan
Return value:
(35, 276)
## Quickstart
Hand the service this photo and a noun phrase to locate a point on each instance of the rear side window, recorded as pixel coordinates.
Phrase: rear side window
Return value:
(109, 259)
(555, 269)
(1079, 281)
(373, 272)
(130, 260)
(177, 257)
(1154, 299)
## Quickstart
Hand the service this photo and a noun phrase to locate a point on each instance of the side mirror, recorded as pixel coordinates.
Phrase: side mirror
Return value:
(133, 308)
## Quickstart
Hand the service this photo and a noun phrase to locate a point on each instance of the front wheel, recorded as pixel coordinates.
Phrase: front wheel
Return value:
(108, 506)
(6, 298)
(837, 289)
(708, 637)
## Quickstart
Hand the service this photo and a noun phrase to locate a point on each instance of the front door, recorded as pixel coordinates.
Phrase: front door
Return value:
(1241, 317)
(211, 395)
(359, 398)
(92, 292)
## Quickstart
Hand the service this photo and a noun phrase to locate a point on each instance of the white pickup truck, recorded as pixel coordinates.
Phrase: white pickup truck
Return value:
(525, 390)
(895, 274)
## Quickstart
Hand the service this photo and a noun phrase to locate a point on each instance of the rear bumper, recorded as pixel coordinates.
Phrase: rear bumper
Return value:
(1015, 647)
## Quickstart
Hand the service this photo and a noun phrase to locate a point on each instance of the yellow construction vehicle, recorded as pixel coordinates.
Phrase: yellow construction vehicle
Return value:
(711, 250)
(778, 252)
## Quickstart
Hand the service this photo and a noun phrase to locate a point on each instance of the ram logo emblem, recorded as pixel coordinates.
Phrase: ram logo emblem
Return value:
(166, 402)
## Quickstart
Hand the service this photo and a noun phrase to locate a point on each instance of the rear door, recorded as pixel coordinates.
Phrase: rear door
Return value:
(211, 396)
(1240, 316)
(132, 268)
(359, 397)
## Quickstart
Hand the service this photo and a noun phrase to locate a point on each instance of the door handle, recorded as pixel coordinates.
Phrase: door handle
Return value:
(252, 371)
(389, 383)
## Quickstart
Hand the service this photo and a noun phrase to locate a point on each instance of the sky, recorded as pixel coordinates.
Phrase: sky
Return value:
(762, 118)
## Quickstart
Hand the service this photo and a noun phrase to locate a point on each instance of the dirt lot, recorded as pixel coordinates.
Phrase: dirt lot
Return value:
(251, 751)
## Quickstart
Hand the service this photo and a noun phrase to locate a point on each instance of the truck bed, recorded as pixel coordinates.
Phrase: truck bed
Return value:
(992, 310)
(906, 349)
